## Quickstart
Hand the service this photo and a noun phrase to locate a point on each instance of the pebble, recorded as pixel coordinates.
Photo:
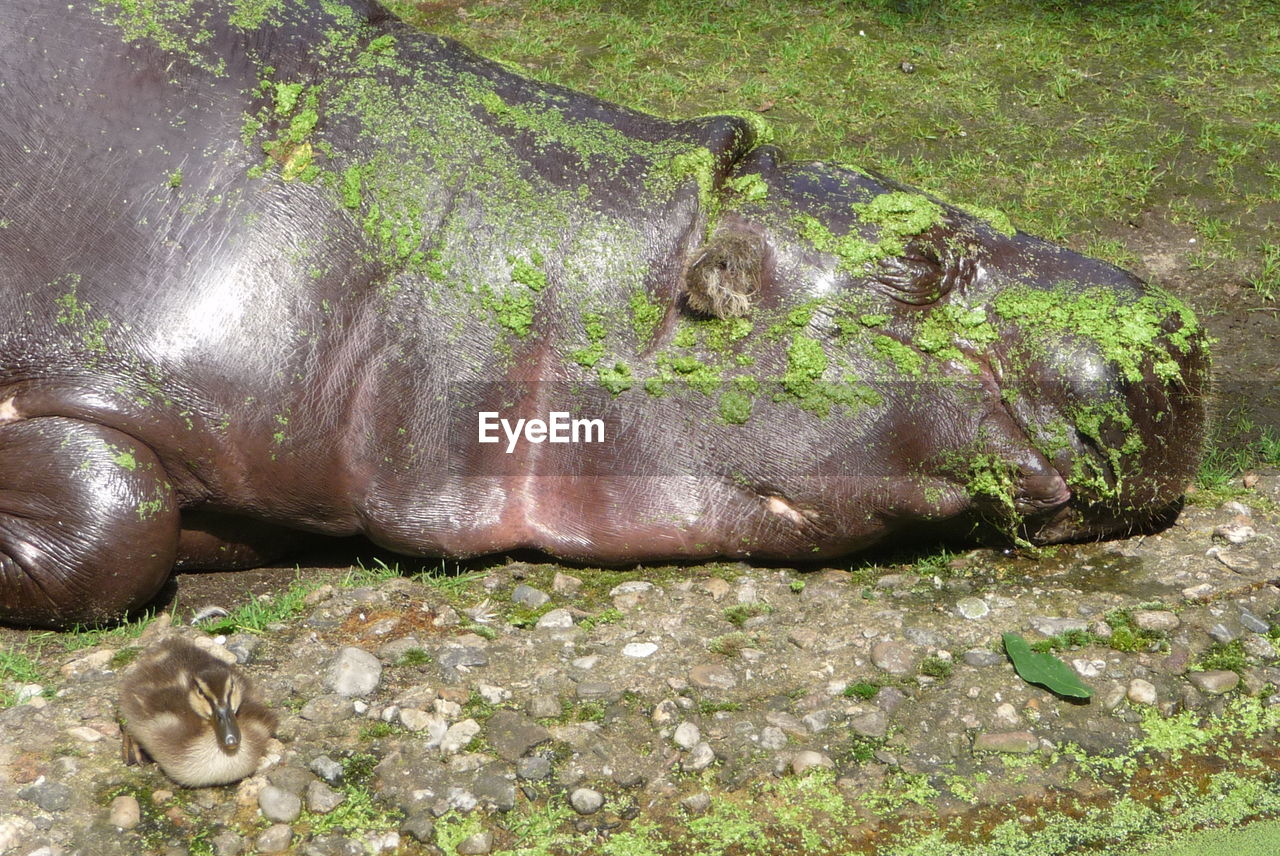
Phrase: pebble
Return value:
(773, 738)
(420, 827)
(639, 650)
(972, 608)
(493, 695)
(874, 724)
(476, 845)
(700, 757)
(1142, 691)
(323, 799)
(1214, 681)
(14, 830)
(716, 588)
(596, 691)
(1020, 742)
(1203, 591)
(125, 812)
(565, 583)
(529, 596)
(981, 658)
(697, 803)
(712, 676)
(895, 658)
(664, 713)
(1253, 622)
(459, 735)
(275, 838)
(512, 734)
(50, 796)
(327, 769)
(586, 800)
(227, 843)
(1054, 626)
(1236, 533)
(544, 707)
(279, 805)
(85, 734)
(686, 735)
(556, 619)
(807, 759)
(1222, 634)
(353, 672)
(631, 587)
(535, 768)
(1158, 620)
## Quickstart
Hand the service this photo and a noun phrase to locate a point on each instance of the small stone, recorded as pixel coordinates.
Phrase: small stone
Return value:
(712, 676)
(1203, 591)
(716, 587)
(512, 734)
(1156, 619)
(544, 707)
(476, 845)
(874, 724)
(896, 658)
(1142, 691)
(275, 839)
(529, 596)
(586, 663)
(50, 796)
(818, 721)
(1253, 623)
(420, 827)
(807, 759)
(278, 805)
(1214, 681)
(13, 830)
(631, 587)
(972, 608)
(804, 638)
(1089, 668)
(697, 803)
(686, 735)
(565, 584)
(493, 695)
(556, 619)
(1236, 533)
(772, 738)
(227, 843)
(85, 734)
(1020, 742)
(327, 708)
(981, 658)
(1055, 626)
(586, 801)
(639, 650)
(1222, 634)
(421, 720)
(125, 812)
(665, 712)
(700, 757)
(907, 67)
(327, 769)
(596, 691)
(323, 799)
(353, 672)
(535, 768)
(459, 735)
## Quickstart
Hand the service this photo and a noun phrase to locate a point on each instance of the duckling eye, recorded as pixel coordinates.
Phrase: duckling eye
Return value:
(199, 702)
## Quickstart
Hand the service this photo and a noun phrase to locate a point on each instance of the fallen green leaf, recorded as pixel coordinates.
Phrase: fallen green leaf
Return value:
(1043, 669)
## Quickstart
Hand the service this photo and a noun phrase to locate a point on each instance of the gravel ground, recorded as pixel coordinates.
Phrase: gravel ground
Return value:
(702, 709)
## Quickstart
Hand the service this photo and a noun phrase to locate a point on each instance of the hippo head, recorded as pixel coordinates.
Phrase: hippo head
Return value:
(994, 378)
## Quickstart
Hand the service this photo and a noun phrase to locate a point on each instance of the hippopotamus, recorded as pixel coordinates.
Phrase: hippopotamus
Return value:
(285, 270)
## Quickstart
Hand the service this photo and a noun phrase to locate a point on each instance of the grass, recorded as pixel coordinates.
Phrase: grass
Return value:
(264, 610)
(1236, 446)
(1074, 119)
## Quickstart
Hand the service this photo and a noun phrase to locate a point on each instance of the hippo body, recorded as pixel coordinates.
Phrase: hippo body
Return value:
(269, 274)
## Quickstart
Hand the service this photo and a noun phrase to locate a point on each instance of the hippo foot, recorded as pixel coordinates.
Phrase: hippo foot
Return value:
(88, 523)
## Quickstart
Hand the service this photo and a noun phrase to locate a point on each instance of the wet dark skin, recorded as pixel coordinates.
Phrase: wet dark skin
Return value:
(262, 274)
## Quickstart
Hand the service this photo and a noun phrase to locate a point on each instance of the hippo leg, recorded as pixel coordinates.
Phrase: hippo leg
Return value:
(88, 522)
(213, 541)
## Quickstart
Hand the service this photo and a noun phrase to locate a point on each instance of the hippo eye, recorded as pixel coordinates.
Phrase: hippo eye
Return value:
(922, 274)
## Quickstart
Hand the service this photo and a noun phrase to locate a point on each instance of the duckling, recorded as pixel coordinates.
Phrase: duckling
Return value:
(195, 715)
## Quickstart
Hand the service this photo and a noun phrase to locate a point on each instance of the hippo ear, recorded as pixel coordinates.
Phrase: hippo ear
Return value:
(724, 276)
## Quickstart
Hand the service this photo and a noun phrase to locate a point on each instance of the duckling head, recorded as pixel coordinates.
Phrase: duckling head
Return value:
(215, 696)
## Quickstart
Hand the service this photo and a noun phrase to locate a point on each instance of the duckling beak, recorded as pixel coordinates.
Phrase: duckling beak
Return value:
(226, 728)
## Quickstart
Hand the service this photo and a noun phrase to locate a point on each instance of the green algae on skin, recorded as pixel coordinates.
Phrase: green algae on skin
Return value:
(171, 25)
(1126, 333)
(645, 315)
(898, 217)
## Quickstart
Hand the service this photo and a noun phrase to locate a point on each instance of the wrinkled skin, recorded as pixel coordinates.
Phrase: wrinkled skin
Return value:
(225, 337)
